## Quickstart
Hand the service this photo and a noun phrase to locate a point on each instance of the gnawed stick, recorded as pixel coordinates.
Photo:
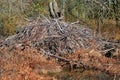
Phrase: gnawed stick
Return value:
(60, 58)
(71, 62)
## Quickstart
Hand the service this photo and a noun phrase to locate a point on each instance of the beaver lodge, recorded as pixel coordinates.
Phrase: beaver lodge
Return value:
(45, 49)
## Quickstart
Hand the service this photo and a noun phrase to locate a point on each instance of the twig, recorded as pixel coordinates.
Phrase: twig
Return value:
(114, 77)
(75, 22)
(59, 25)
(45, 18)
(107, 50)
(60, 58)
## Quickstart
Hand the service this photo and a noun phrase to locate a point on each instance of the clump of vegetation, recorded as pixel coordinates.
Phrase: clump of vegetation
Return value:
(11, 16)
(8, 25)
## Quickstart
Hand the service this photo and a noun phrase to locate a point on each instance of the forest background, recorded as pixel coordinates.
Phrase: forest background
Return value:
(103, 16)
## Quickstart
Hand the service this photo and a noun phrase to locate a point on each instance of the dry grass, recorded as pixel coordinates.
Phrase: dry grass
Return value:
(18, 63)
(109, 29)
(27, 64)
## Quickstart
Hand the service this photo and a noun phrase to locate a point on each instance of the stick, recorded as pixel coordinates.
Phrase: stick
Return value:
(59, 26)
(60, 58)
(67, 60)
(107, 50)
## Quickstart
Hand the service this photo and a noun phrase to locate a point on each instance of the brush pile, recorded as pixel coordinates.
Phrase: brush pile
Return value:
(61, 38)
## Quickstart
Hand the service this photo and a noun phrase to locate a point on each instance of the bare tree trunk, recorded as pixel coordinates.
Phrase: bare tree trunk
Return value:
(115, 8)
(52, 14)
(98, 27)
(63, 8)
(54, 10)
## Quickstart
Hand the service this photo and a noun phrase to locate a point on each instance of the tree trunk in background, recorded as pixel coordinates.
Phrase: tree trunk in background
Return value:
(63, 7)
(54, 10)
(115, 8)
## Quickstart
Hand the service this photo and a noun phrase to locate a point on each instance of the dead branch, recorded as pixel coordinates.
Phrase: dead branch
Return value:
(71, 62)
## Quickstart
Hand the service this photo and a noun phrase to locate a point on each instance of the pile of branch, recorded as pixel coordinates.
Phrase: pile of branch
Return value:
(59, 38)
(54, 36)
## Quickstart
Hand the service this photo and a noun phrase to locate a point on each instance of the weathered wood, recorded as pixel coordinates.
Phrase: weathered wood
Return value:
(51, 11)
(54, 10)
(60, 58)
